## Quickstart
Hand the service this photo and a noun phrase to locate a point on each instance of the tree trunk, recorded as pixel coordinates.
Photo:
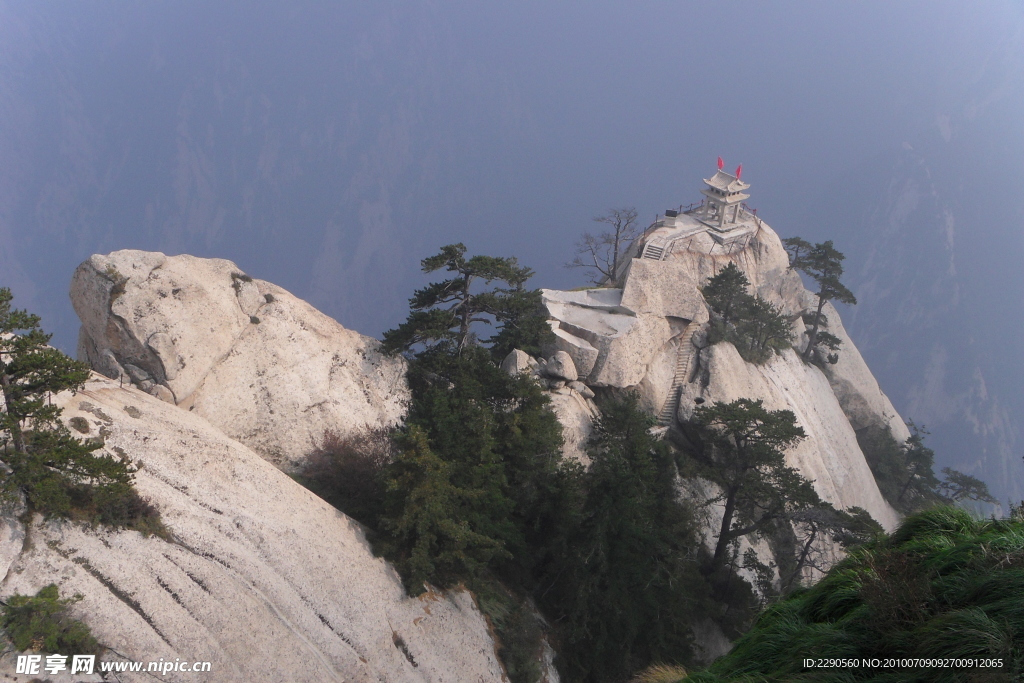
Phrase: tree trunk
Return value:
(467, 314)
(613, 279)
(803, 556)
(724, 536)
(813, 336)
(16, 436)
(906, 486)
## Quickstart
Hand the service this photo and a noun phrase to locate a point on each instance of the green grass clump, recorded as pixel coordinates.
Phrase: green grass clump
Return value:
(944, 585)
(42, 623)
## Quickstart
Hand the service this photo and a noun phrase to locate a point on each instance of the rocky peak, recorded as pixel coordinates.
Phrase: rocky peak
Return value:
(648, 337)
(260, 364)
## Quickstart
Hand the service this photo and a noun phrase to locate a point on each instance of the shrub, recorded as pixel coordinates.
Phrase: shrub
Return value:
(347, 470)
(518, 627)
(42, 622)
(944, 585)
(756, 327)
(128, 510)
(237, 279)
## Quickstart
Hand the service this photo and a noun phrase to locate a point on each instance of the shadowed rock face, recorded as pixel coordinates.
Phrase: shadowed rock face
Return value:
(263, 579)
(648, 338)
(263, 366)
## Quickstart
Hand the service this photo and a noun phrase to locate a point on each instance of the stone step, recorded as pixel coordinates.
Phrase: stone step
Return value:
(683, 358)
(652, 251)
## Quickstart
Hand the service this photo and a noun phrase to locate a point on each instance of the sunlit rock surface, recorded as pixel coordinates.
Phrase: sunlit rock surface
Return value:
(261, 578)
(649, 338)
(265, 367)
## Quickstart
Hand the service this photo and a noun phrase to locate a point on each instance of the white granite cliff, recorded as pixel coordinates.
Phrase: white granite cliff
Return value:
(263, 366)
(261, 578)
(647, 336)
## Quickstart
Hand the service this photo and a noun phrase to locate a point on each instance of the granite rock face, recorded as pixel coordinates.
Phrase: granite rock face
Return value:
(576, 412)
(262, 578)
(829, 455)
(649, 338)
(260, 364)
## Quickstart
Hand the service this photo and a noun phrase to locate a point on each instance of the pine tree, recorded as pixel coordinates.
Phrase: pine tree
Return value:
(53, 470)
(920, 484)
(762, 327)
(622, 587)
(430, 535)
(741, 450)
(501, 437)
(726, 292)
(824, 264)
(958, 487)
(495, 434)
(753, 325)
(443, 313)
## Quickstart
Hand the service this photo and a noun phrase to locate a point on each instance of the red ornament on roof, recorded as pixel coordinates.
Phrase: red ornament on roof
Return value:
(739, 171)
(720, 163)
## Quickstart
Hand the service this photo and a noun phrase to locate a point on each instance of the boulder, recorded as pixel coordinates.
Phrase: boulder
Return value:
(262, 578)
(583, 354)
(582, 389)
(560, 366)
(137, 374)
(517, 362)
(625, 357)
(189, 323)
(664, 288)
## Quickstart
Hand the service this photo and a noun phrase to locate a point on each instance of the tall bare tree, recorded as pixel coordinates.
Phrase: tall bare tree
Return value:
(603, 253)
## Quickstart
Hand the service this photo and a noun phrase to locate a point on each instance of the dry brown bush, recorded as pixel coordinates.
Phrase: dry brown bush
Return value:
(347, 471)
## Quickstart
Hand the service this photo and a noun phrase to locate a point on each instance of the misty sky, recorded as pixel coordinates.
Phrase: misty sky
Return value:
(328, 147)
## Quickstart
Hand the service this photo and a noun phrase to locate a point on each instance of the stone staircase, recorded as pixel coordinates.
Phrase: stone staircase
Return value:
(684, 356)
(654, 251)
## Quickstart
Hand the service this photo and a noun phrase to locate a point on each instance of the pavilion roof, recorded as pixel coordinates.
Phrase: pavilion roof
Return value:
(726, 182)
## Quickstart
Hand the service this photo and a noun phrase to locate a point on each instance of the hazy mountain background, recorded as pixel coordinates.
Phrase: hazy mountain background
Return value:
(329, 146)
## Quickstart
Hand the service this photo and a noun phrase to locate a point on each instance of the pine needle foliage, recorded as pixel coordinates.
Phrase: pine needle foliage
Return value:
(433, 536)
(905, 472)
(741, 449)
(54, 472)
(756, 327)
(944, 585)
(445, 314)
(823, 263)
(42, 622)
(626, 587)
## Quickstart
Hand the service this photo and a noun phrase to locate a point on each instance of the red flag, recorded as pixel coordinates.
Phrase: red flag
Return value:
(720, 163)
(739, 171)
